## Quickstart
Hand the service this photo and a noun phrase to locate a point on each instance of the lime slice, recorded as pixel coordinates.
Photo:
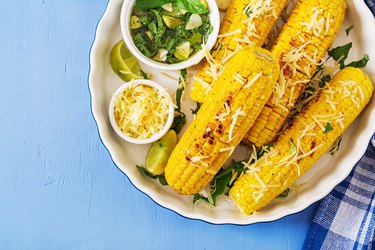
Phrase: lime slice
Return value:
(123, 63)
(160, 152)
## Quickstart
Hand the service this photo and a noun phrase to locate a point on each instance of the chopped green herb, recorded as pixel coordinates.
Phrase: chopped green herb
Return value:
(195, 111)
(336, 146)
(183, 73)
(147, 4)
(198, 197)
(284, 194)
(193, 6)
(360, 63)
(162, 34)
(145, 75)
(293, 148)
(179, 93)
(348, 30)
(340, 53)
(161, 178)
(178, 122)
(328, 128)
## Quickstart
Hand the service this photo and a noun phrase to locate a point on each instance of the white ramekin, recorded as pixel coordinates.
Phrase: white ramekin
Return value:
(156, 136)
(126, 10)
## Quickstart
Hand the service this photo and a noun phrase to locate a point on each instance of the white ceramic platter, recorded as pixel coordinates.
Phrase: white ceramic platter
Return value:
(317, 182)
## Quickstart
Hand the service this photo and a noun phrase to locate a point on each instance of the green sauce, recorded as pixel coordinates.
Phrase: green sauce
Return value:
(169, 33)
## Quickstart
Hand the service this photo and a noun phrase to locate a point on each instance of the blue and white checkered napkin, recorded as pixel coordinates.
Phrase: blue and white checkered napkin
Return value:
(346, 217)
(371, 5)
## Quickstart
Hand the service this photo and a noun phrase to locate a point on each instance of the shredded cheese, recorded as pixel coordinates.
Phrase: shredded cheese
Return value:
(253, 80)
(141, 111)
(239, 112)
(316, 25)
(203, 83)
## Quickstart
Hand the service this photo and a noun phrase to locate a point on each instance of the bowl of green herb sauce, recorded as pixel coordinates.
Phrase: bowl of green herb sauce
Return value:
(170, 34)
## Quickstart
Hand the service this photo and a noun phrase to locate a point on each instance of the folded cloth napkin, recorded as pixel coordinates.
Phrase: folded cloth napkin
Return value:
(371, 5)
(345, 218)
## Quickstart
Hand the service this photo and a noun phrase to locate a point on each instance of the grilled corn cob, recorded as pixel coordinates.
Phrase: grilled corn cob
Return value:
(311, 134)
(246, 21)
(300, 48)
(222, 121)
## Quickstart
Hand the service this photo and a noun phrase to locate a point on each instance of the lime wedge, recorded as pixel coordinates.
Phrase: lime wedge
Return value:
(160, 152)
(123, 63)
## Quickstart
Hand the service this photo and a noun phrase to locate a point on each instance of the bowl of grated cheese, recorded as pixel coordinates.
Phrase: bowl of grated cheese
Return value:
(141, 111)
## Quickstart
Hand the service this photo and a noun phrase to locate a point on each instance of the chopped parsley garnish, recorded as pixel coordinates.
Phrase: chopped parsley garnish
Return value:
(328, 128)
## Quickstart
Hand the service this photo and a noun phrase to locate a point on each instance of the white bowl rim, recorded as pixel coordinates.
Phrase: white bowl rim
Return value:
(154, 137)
(214, 16)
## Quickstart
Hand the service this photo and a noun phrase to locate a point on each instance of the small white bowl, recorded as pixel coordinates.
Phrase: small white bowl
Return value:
(154, 137)
(126, 10)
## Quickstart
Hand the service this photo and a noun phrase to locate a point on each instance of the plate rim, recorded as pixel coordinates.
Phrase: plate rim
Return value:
(367, 132)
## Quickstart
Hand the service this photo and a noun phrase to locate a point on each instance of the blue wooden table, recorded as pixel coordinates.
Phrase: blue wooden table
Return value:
(59, 188)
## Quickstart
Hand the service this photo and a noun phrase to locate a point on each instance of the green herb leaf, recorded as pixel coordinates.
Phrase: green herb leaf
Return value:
(183, 73)
(192, 6)
(284, 194)
(324, 80)
(293, 148)
(336, 146)
(161, 178)
(328, 128)
(179, 93)
(145, 75)
(340, 53)
(160, 28)
(195, 111)
(178, 122)
(348, 30)
(198, 197)
(220, 185)
(147, 4)
(360, 63)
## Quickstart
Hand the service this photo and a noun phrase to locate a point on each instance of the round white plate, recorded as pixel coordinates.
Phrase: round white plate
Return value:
(317, 182)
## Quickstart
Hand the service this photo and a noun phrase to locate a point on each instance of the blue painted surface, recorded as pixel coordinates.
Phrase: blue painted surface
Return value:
(59, 188)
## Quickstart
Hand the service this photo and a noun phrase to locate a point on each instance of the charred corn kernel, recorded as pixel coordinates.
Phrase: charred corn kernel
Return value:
(305, 141)
(222, 121)
(300, 48)
(246, 21)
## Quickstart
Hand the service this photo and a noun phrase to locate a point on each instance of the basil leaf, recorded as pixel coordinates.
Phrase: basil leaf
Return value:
(340, 53)
(192, 6)
(360, 63)
(147, 4)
